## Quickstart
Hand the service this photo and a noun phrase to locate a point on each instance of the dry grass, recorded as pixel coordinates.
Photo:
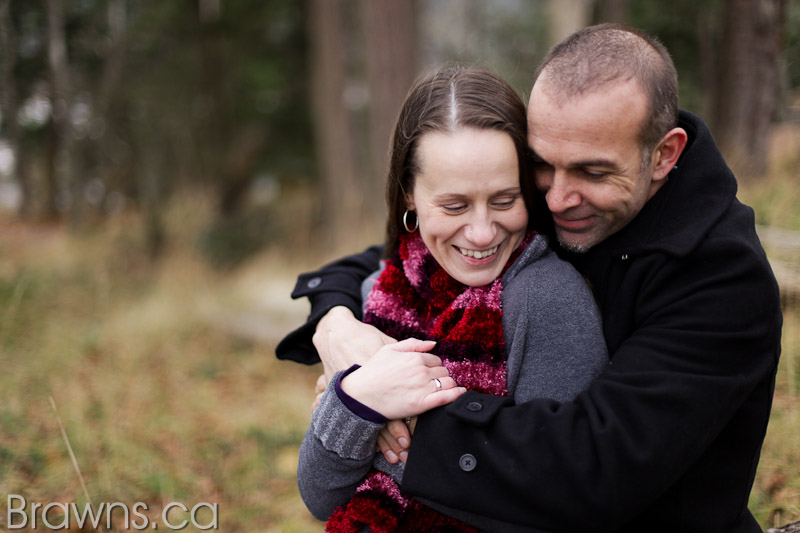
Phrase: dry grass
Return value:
(159, 403)
(776, 493)
(165, 378)
(775, 499)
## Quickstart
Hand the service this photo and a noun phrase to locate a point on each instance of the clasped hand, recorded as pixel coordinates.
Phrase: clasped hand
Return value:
(383, 384)
(403, 380)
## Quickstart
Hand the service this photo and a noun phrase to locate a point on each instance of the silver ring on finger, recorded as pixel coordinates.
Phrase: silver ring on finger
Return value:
(438, 384)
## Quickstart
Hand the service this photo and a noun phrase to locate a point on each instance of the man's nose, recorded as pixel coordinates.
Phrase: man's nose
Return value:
(561, 193)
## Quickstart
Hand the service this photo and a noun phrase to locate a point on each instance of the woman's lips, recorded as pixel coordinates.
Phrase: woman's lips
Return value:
(478, 254)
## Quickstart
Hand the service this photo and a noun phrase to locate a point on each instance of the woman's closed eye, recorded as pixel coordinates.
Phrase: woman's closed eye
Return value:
(454, 208)
(505, 202)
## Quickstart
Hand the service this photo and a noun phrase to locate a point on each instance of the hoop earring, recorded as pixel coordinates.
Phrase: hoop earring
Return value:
(405, 222)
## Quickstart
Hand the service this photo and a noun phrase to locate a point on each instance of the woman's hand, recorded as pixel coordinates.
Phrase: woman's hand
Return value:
(402, 380)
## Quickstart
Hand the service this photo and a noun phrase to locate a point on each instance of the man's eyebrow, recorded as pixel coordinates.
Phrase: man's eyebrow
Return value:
(604, 163)
(593, 163)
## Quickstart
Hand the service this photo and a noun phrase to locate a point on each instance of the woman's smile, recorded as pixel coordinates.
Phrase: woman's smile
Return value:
(477, 254)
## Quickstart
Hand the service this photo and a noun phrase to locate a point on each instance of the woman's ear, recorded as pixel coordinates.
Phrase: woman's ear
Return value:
(410, 205)
(667, 153)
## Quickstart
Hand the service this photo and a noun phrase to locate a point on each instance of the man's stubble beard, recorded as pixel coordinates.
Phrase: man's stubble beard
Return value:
(574, 248)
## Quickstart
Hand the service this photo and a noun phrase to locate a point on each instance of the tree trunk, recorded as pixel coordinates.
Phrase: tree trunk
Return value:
(390, 37)
(241, 161)
(114, 60)
(99, 150)
(341, 196)
(614, 11)
(215, 78)
(566, 17)
(61, 178)
(9, 106)
(150, 179)
(748, 82)
(707, 31)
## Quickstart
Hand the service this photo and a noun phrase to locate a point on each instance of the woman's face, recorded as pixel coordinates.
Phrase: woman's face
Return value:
(468, 202)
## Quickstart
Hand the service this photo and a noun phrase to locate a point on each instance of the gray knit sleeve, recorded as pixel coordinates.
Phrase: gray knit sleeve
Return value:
(336, 454)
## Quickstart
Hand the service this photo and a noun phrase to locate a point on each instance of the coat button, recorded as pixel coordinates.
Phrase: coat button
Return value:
(474, 406)
(467, 462)
(313, 283)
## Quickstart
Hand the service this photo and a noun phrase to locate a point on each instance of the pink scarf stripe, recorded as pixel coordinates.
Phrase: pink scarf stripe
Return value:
(390, 307)
(480, 376)
(414, 262)
(485, 297)
(384, 484)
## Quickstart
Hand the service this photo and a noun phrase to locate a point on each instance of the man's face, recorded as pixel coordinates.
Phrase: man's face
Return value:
(589, 161)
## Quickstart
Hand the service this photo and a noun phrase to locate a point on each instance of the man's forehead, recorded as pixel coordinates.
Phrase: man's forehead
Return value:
(584, 135)
(621, 107)
(559, 93)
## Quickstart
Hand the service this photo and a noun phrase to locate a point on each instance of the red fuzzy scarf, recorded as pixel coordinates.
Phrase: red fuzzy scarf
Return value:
(415, 297)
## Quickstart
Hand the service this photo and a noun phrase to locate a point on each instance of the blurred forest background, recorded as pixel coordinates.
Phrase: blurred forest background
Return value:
(168, 167)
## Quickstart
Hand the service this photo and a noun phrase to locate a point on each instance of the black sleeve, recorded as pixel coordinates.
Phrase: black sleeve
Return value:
(337, 283)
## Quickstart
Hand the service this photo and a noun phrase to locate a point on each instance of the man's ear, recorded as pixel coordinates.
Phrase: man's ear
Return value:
(667, 153)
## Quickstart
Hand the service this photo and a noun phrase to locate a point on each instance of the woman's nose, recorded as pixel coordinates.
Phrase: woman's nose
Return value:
(480, 231)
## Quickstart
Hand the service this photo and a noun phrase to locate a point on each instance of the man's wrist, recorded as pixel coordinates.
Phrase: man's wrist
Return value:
(334, 313)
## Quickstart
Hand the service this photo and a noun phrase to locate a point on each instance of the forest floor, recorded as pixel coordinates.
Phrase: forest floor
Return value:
(164, 378)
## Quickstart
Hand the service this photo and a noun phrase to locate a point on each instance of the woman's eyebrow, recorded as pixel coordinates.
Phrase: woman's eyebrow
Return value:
(461, 196)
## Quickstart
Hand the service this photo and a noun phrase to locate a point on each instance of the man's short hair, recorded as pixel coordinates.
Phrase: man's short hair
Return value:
(597, 56)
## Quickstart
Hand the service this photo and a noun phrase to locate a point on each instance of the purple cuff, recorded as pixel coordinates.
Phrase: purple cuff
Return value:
(356, 407)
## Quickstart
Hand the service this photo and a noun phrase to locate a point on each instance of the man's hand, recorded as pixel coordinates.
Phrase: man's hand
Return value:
(395, 439)
(341, 341)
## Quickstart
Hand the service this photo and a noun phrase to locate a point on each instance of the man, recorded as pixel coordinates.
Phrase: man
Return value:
(668, 437)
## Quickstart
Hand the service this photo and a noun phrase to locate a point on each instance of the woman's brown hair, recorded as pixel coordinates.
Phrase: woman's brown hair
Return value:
(445, 101)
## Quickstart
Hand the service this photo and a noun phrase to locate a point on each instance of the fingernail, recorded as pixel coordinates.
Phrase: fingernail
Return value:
(403, 442)
(404, 456)
(391, 457)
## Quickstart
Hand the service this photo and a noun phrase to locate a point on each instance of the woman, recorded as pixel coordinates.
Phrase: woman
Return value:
(466, 269)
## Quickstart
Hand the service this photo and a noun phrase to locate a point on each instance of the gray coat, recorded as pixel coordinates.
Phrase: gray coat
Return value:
(548, 313)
